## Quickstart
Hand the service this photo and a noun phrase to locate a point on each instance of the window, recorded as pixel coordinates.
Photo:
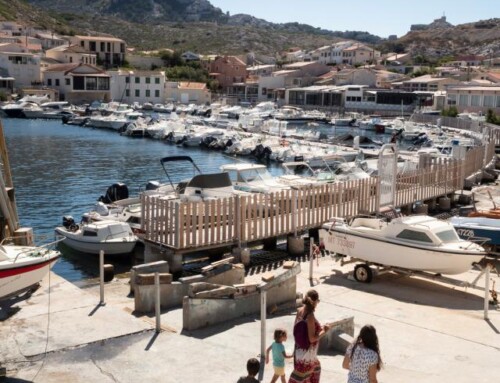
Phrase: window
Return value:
(498, 101)
(137, 93)
(90, 83)
(148, 93)
(78, 83)
(127, 80)
(157, 93)
(82, 43)
(127, 92)
(157, 80)
(57, 82)
(109, 47)
(452, 99)
(103, 46)
(448, 236)
(475, 100)
(489, 100)
(137, 80)
(87, 233)
(103, 83)
(70, 59)
(463, 100)
(68, 81)
(49, 82)
(412, 235)
(264, 91)
(148, 80)
(92, 46)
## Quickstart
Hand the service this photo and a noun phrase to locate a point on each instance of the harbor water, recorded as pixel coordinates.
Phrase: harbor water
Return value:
(61, 170)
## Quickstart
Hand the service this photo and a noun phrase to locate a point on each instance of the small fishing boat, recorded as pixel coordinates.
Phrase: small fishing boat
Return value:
(112, 237)
(417, 243)
(479, 227)
(22, 267)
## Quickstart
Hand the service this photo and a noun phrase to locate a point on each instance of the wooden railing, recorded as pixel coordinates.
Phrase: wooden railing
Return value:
(195, 225)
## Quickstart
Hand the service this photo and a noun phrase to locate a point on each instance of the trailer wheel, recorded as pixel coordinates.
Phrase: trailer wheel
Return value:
(363, 273)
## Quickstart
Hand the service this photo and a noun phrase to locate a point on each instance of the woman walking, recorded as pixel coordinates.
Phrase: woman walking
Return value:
(362, 357)
(307, 332)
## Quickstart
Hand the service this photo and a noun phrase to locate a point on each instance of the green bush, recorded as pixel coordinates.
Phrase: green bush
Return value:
(452, 111)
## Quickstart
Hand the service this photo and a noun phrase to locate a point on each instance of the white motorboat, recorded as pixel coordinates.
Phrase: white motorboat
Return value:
(253, 178)
(110, 236)
(22, 267)
(417, 243)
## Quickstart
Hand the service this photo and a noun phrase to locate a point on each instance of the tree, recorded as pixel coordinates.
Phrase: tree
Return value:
(492, 118)
(452, 111)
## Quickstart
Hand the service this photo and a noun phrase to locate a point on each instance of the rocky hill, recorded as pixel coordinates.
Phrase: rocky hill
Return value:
(199, 26)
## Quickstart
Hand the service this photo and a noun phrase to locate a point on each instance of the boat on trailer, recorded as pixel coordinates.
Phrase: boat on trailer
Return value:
(414, 243)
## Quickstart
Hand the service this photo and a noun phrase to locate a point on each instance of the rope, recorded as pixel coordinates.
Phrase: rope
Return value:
(44, 358)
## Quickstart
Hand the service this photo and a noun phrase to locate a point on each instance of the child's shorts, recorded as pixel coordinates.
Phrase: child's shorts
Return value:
(280, 371)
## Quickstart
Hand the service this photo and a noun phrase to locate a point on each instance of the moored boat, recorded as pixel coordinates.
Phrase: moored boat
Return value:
(22, 267)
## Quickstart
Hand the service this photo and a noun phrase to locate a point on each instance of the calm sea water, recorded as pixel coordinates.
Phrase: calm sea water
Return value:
(61, 170)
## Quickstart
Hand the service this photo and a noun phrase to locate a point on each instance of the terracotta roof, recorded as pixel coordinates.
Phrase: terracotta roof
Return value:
(66, 68)
(192, 85)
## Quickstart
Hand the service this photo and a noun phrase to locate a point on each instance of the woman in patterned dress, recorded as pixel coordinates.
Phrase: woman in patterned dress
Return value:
(307, 368)
(362, 357)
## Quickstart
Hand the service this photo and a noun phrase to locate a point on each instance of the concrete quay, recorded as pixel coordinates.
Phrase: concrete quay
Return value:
(429, 331)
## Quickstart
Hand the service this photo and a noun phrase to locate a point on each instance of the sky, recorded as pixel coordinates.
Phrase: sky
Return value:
(379, 17)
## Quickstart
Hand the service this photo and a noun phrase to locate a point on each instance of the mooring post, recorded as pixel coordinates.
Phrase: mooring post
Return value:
(486, 291)
(311, 259)
(263, 305)
(157, 302)
(101, 277)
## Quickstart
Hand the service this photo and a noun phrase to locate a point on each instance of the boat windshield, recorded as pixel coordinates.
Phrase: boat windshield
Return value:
(256, 175)
(448, 236)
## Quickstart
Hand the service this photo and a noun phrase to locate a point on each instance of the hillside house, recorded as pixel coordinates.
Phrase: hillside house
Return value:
(427, 83)
(228, 70)
(137, 86)
(360, 54)
(50, 40)
(69, 54)
(110, 51)
(187, 92)
(78, 83)
(474, 99)
(20, 64)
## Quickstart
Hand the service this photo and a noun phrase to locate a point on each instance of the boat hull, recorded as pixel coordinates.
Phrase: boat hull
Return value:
(382, 252)
(112, 247)
(15, 280)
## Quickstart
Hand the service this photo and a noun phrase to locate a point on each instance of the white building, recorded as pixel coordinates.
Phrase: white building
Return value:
(78, 83)
(71, 54)
(187, 92)
(50, 40)
(109, 50)
(20, 64)
(130, 86)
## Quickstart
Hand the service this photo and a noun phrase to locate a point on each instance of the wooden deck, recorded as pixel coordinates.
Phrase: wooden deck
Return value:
(189, 226)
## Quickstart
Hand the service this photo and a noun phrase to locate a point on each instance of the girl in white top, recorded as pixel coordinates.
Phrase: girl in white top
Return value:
(362, 358)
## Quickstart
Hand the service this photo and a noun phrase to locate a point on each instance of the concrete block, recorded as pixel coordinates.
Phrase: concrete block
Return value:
(192, 279)
(217, 269)
(244, 289)
(149, 279)
(171, 295)
(198, 287)
(267, 277)
(221, 292)
(159, 266)
(227, 278)
(289, 265)
(339, 336)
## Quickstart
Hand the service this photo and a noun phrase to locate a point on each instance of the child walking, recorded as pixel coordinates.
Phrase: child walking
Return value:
(279, 355)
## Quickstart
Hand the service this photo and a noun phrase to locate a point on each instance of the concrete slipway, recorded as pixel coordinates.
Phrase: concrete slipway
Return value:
(429, 332)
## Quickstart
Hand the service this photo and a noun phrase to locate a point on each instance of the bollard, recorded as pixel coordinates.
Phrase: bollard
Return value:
(101, 276)
(486, 292)
(157, 302)
(263, 304)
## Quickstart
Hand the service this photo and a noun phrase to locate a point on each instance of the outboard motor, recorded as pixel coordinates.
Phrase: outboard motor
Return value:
(101, 209)
(68, 221)
(115, 192)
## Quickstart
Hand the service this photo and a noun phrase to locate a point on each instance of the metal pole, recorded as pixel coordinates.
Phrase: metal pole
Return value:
(157, 302)
(101, 276)
(263, 305)
(311, 260)
(486, 292)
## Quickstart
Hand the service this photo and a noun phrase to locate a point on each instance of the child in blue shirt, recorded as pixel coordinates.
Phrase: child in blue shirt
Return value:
(279, 355)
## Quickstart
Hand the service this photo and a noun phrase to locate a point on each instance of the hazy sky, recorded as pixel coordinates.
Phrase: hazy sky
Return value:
(380, 17)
